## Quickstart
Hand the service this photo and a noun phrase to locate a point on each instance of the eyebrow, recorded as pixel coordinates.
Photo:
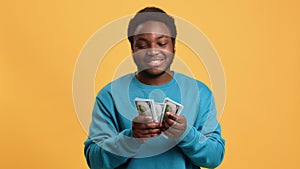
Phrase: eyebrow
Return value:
(160, 37)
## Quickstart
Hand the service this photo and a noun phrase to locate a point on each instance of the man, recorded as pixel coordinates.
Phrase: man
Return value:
(120, 138)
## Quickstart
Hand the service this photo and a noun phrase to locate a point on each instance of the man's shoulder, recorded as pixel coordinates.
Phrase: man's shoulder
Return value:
(192, 81)
(117, 83)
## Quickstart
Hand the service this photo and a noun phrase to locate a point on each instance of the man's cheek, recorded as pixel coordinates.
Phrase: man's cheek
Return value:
(135, 56)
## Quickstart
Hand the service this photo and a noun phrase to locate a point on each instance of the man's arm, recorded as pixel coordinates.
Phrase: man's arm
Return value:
(107, 146)
(202, 143)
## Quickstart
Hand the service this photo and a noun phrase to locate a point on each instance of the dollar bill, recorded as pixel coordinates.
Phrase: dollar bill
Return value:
(145, 107)
(159, 110)
(172, 106)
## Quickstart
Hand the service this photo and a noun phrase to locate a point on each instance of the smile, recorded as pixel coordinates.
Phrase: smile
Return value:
(154, 62)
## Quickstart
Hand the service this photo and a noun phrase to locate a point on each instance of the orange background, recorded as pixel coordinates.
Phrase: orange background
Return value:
(257, 41)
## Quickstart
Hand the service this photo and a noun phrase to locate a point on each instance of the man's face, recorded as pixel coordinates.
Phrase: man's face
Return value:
(153, 50)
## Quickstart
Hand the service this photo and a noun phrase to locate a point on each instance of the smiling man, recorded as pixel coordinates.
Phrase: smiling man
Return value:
(120, 138)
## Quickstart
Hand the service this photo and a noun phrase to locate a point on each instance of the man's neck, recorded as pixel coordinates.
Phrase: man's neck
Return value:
(155, 80)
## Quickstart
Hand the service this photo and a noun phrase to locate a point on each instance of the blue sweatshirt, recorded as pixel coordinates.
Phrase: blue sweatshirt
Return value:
(110, 143)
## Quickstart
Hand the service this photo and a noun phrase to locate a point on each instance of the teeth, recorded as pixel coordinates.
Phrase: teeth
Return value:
(159, 60)
(155, 62)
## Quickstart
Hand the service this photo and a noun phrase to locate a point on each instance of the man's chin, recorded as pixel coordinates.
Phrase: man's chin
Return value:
(153, 73)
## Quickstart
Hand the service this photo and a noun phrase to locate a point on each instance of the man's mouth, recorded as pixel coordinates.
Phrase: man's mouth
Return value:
(154, 62)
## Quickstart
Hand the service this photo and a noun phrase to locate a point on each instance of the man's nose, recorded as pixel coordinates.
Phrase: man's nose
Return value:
(152, 51)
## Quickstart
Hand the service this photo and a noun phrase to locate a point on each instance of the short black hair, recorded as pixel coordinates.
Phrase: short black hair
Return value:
(151, 14)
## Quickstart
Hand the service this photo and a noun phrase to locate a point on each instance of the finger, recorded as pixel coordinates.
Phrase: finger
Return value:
(169, 134)
(170, 122)
(178, 119)
(150, 131)
(176, 125)
(181, 120)
(175, 131)
(153, 125)
(150, 136)
(172, 116)
(139, 134)
(175, 128)
(142, 119)
(166, 125)
(173, 123)
(145, 126)
(141, 131)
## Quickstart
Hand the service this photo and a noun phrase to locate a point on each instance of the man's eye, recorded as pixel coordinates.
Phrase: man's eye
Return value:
(162, 44)
(141, 46)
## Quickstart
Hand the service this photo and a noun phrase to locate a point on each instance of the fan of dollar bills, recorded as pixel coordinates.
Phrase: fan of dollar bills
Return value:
(147, 107)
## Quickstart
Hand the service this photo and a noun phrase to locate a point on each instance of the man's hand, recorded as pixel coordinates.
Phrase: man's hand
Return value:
(174, 126)
(143, 129)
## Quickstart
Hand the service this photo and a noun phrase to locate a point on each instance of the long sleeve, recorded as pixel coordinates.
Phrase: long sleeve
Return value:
(107, 146)
(202, 143)
(111, 145)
